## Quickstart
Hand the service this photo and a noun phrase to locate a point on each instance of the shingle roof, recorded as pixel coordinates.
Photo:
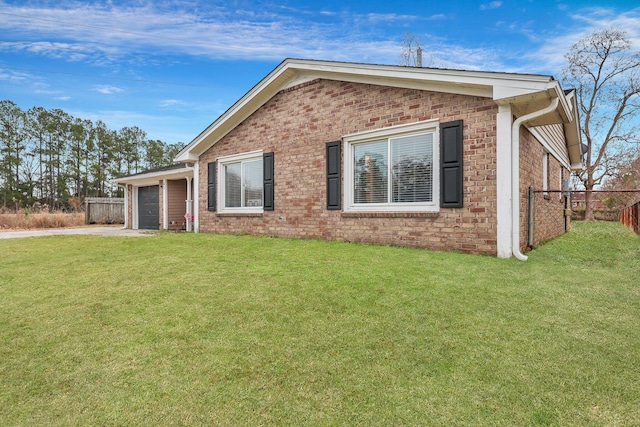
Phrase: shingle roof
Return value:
(174, 166)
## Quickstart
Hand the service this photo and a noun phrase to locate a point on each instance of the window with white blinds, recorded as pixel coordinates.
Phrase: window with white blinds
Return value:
(241, 180)
(396, 171)
(252, 183)
(412, 171)
(233, 185)
(371, 183)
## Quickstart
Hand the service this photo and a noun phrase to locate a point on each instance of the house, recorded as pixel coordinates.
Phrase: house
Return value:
(597, 200)
(422, 157)
(159, 198)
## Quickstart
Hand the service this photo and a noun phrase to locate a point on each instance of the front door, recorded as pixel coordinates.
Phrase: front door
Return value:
(148, 207)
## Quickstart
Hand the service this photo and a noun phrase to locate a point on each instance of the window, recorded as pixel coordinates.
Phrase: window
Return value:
(393, 169)
(545, 173)
(561, 183)
(241, 183)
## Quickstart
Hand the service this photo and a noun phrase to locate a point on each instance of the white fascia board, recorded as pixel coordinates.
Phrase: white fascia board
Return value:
(509, 90)
(479, 78)
(295, 71)
(435, 86)
(185, 156)
(477, 83)
(542, 92)
(154, 178)
(572, 132)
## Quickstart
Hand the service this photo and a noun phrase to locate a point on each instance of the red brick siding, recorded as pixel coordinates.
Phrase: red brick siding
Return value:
(297, 123)
(129, 206)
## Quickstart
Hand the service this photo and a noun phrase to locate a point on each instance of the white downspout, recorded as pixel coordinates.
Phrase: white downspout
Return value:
(515, 176)
(165, 204)
(196, 197)
(189, 204)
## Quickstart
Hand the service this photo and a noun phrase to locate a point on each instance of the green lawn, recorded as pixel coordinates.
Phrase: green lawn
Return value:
(184, 329)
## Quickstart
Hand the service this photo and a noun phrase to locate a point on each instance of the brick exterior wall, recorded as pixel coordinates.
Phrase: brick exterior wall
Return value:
(549, 219)
(297, 123)
(129, 206)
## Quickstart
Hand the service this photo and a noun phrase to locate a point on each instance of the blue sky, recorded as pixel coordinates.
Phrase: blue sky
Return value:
(171, 67)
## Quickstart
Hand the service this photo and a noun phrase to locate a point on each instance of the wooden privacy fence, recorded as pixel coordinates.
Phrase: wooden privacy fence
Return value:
(629, 217)
(104, 210)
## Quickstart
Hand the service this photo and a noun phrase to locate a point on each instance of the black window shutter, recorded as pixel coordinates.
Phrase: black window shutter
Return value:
(333, 175)
(451, 153)
(211, 186)
(267, 172)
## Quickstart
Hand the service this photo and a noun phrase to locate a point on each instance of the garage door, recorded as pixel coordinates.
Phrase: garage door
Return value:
(148, 207)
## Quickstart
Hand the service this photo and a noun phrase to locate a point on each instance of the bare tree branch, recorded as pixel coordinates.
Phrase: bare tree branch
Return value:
(606, 76)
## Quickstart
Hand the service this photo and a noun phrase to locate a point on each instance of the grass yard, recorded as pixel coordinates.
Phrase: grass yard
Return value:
(184, 329)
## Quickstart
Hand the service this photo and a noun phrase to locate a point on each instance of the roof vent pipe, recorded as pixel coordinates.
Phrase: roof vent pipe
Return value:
(419, 57)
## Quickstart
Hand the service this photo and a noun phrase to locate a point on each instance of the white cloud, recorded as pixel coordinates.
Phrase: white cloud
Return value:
(110, 34)
(603, 17)
(13, 75)
(390, 17)
(107, 34)
(492, 5)
(166, 127)
(171, 103)
(43, 89)
(550, 54)
(107, 90)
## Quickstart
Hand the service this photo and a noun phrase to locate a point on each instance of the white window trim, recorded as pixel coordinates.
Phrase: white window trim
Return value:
(545, 173)
(561, 182)
(349, 141)
(222, 161)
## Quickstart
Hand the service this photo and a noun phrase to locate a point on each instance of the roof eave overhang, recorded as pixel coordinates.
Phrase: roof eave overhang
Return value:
(565, 114)
(573, 135)
(291, 72)
(152, 178)
(242, 109)
(524, 102)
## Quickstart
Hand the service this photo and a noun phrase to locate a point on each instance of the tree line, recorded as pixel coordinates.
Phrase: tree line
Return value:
(48, 157)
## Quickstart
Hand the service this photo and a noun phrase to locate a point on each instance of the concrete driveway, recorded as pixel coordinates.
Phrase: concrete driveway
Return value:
(98, 230)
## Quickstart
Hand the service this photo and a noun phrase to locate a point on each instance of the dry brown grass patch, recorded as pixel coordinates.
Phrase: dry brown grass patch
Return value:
(28, 220)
